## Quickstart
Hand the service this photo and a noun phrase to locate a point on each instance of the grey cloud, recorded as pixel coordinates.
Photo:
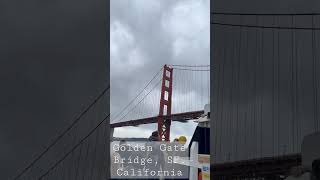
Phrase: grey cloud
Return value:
(156, 28)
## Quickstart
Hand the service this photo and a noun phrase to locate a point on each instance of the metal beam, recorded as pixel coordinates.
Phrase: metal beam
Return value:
(174, 117)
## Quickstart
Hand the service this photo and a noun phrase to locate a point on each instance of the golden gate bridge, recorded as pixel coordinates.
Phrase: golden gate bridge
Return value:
(80, 151)
(175, 93)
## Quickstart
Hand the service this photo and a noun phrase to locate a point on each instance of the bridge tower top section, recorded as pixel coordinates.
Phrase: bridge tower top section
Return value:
(165, 104)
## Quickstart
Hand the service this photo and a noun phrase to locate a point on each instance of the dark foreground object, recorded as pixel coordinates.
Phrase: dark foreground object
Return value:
(268, 168)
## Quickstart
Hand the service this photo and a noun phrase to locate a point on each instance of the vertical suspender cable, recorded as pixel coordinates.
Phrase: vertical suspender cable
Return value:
(315, 105)
(278, 103)
(292, 87)
(273, 87)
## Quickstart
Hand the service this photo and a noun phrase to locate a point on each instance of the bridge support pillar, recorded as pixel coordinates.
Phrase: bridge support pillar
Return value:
(165, 104)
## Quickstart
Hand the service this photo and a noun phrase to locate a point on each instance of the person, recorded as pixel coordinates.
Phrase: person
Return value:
(170, 165)
(156, 154)
(176, 140)
(182, 154)
(154, 136)
(124, 154)
(182, 140)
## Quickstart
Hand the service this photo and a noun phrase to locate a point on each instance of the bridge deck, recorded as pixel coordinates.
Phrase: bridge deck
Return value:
(174, 117)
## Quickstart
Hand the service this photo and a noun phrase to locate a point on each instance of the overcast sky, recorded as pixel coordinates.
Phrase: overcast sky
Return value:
(145, 35)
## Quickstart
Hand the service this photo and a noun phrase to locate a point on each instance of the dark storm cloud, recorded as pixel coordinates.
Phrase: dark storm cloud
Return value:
(52, 56)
